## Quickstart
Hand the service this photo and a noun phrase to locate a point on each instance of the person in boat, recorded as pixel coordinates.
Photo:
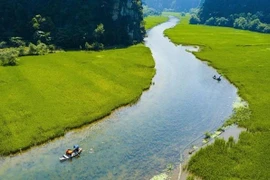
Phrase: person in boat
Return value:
(76, 148)
(68, 152)
(214, 77)
(219, 78)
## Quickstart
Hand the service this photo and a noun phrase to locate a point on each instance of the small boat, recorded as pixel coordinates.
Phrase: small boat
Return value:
(70, 154)
(217, 78)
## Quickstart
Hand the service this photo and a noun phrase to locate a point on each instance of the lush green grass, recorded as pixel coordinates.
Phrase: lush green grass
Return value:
(176, 14)
(47, 95)
(152, 21)
(244, 58)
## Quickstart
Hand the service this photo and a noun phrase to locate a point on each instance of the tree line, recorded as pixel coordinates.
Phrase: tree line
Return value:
(172, 5)
(37, 27)
(72, 23)
(251, 15)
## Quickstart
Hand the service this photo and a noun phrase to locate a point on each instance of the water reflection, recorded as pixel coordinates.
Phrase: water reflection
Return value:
(139, 141)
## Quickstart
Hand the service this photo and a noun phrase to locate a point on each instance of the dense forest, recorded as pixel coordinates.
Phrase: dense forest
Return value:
(71, 23)
(242, 14)
(174, 5)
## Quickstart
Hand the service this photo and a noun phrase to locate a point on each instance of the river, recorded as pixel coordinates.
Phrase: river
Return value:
(138, 141)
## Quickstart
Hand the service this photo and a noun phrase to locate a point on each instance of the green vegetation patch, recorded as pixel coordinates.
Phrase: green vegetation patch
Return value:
(47, 95)
(152, 21)
(243, 58)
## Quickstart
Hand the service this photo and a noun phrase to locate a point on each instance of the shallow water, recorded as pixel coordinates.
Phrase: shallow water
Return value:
(138, 141)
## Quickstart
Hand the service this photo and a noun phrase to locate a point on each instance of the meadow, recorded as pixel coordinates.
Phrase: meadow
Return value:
(152, 21)
(243, 57)
(45, 96)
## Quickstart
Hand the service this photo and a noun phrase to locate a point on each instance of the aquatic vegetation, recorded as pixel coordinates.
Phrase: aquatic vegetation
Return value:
(162, 176)
(243, 58)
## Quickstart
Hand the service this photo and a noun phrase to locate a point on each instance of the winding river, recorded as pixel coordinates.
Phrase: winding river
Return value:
(138, 141)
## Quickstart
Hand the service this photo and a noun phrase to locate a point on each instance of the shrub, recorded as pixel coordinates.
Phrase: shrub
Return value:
(22, 51)
(16, 41)
(211, 21)
(87, 46)
(9, 57)
(222, 21)
(3, 44)
(32, 49)
(97, 46)
(240, 23)
(42, 48)
(194, 19)
(51, 48)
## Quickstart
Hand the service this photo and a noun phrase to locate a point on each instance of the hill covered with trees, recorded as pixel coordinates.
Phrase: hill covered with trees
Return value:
(176, 5)
(242, 14)
(71, 23)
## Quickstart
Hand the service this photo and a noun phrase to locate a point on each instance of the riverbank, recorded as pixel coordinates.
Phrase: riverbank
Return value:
(243, 58)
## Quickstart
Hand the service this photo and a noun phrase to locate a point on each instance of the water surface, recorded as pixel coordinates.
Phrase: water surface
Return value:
(138, 141)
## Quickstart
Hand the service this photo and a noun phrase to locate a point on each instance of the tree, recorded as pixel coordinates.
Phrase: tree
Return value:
(99, 33)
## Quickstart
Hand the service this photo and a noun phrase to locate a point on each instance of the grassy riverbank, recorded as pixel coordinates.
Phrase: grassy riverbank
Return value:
(152, 21)
(243, 57)
(47, 95)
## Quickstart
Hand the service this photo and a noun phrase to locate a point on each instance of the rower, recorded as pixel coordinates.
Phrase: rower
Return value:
(76, 148)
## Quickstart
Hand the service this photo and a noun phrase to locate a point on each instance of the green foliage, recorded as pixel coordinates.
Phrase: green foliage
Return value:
(207, 135)
(32, 49)
(9, 57)
(150, 12)
(243, 57)
(240, 115)
(42, 48)
(87, 46)
(70, 24)
(194, 19)
(3, 44)
(16, 41)
(47, 95)
(248, 15)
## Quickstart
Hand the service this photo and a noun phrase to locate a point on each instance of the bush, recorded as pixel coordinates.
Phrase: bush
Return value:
(22, 51)
(240, 23)
(3, 44)
(194, 19)
(32, 49)
(51, 48)
(16, 41)
(222, 21)
(9, 57)
(211, 21)
(42, 49)
(95, 46)
(87, 46)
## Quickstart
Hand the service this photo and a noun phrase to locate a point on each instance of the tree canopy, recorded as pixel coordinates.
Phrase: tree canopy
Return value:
(242, 14)
(72, 23)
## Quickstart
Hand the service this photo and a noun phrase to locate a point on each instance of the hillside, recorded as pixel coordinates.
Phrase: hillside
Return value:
(72, 23)
(251, 15)
(176, 5)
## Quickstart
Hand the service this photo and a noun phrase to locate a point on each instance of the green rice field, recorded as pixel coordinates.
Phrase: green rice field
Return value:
(45, 96)
(152, 21)
(243, 57)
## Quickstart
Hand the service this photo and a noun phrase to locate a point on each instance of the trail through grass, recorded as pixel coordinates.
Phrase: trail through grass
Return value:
(244, 58)
(47, 95)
